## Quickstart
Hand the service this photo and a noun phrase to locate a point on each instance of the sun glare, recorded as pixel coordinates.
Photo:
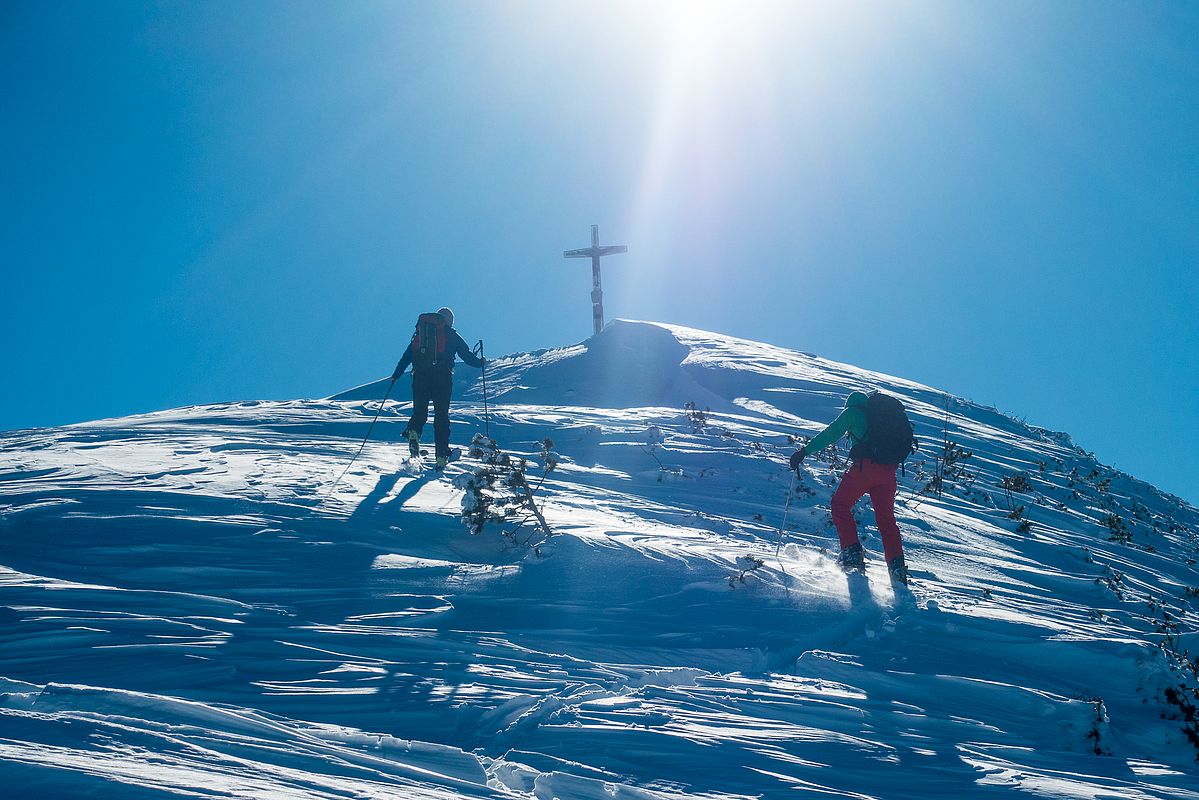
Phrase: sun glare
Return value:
(730, 79)
(712, 81)
(708, 38)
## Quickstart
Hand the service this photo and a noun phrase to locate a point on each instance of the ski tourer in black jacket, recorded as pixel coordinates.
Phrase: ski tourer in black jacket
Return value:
(436, 384)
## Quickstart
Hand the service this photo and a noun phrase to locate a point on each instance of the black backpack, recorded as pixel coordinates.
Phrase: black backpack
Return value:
(429, 342)
(890, 437)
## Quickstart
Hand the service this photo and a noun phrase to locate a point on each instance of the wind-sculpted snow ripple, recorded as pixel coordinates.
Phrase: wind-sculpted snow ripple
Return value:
(188, 606)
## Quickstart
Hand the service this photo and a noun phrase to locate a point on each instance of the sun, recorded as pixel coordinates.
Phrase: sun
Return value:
(712, 79)
(706, 37)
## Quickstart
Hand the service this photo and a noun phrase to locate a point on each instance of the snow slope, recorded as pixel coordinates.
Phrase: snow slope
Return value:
(189, 608)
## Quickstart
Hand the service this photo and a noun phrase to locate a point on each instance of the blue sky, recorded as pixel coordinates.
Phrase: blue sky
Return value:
(219, 201)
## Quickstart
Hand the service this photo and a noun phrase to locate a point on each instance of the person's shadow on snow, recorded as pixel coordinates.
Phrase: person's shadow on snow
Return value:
(859, 591)
(410, 490)
(386, 483)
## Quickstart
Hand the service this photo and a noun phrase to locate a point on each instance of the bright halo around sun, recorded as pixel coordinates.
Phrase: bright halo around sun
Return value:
(737, 89)
(712, 79)
(707, 31)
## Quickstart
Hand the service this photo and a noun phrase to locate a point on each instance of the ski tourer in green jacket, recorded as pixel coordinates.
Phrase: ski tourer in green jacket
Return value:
(864, 477)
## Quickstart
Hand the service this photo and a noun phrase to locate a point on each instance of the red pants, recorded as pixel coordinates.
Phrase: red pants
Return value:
(879, 481)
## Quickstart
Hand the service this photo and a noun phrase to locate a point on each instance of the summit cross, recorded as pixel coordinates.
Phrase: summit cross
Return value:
(595, 253)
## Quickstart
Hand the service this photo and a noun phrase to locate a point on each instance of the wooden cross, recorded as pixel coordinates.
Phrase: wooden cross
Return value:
(595, 252)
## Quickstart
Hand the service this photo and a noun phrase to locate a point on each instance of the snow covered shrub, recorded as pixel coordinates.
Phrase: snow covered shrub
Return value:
(838, 458)
(1017, 513)
(697, 418)
(1017, 483)
(1099, 725)
(1114, 581)
(1119, 531)
(950, 469)
(499, 491)
(1183, 698)
(1183, 695)
(949, 463)
(549, 457)
(747, 564)
(654, 436)
(833, 455)
(653, 441)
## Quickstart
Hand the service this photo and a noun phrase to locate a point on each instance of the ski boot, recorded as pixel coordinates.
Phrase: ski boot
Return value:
(897, 568)
(441, 462)
(852, 559)
(413, 443)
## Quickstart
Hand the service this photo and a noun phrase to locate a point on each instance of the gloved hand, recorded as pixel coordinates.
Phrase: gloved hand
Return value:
(797, 457)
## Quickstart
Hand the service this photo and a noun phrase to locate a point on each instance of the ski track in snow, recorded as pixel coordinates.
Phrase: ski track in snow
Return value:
(190, 608)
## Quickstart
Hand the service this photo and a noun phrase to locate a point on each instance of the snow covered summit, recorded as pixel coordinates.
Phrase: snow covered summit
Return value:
(190, 608)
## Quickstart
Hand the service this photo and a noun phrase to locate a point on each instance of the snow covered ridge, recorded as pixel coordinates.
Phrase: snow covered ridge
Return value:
(186, 610)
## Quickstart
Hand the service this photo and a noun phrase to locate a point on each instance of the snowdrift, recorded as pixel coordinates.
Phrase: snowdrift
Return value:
(189, 608)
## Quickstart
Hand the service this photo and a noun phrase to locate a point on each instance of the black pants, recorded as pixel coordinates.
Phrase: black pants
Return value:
(434, 385)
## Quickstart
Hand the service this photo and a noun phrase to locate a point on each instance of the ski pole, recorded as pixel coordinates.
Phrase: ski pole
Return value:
(786, 510)
(364, 439)
(486, 413)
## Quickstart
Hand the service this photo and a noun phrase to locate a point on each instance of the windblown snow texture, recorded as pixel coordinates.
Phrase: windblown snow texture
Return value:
(185, 613)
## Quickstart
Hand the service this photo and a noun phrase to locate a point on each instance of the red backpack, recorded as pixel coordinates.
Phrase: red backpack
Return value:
(429, 341)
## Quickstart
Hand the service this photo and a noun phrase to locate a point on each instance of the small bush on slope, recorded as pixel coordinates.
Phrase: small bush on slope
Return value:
(697, 418)
(499, 489)
(746, 564)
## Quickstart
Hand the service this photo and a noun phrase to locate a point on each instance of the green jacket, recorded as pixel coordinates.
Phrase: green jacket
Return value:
(852, 421)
